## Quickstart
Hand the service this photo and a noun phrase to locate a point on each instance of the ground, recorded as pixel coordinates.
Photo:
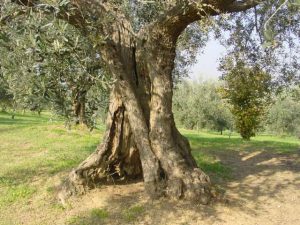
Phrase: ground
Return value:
(256, 182)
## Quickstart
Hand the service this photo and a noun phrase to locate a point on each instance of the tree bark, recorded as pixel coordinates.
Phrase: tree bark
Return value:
(141, 138)
(116, 158)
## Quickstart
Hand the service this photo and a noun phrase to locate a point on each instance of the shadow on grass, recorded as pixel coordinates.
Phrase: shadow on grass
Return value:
(246, 171)
(23, 119)
(244, 168)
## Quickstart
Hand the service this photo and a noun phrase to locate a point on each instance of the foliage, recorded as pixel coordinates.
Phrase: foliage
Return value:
(49, 64)
(198, 105)
(246, 35)
(247, 90)
(284, 115)
(266, 35)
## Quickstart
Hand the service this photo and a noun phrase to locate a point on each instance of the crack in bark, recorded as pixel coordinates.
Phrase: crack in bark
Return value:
(135, 73)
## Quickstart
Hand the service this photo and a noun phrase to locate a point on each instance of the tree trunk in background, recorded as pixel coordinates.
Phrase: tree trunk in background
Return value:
(141, 139)
(79, 108)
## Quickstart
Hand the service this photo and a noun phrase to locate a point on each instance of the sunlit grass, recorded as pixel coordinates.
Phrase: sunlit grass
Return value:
(213, 140)
(205, 143)
(133, 212)
(35, 146)
(95, 216)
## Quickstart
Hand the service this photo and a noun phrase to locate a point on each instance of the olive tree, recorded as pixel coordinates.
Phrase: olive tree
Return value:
(138, 47)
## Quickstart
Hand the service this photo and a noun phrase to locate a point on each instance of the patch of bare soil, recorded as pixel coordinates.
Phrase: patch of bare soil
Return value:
(264, 190)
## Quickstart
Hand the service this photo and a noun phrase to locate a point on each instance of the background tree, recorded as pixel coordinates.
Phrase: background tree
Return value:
(199, 105)
(6, 99)
(248, 91)
(284, 115)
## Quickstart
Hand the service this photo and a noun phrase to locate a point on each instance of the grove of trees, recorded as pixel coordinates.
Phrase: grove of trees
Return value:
(200, 105)
(283, 116)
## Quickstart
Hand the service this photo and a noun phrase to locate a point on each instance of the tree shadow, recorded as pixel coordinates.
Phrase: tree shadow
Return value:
(22, 119)
(257, 175)
(134, 208)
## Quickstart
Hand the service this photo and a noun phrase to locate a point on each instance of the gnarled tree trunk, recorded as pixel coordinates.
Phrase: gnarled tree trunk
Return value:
(141, 138)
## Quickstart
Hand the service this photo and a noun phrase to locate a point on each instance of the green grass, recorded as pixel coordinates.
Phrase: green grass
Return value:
(95, 216)
(133, 213)
(16, 193)
(99, 213)
(37, 149)
(205, 144)
(215, 141)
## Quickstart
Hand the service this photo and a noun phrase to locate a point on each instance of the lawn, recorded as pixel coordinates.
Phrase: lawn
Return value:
(37, 152)
(35, 148)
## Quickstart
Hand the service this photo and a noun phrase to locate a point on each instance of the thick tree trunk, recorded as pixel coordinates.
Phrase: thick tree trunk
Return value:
(141, 138)
(162, 157)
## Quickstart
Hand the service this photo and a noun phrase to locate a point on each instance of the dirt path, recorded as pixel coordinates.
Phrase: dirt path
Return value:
(264, 189)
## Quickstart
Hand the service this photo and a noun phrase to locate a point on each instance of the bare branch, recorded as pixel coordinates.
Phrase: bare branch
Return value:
(186, 12)
(239, 6)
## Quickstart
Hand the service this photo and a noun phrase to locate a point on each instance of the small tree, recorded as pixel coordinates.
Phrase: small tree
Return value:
(247, 89)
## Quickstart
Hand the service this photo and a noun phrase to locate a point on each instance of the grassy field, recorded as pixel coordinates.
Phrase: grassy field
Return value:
(34, 148)
(37, 151)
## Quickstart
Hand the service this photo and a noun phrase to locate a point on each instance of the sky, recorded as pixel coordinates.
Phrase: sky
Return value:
(206, 67)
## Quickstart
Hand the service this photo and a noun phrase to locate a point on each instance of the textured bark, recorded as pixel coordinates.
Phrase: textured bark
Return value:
(115, 159)
(141, 138)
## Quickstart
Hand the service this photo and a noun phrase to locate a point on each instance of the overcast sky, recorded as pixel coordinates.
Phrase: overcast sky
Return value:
(207, 63)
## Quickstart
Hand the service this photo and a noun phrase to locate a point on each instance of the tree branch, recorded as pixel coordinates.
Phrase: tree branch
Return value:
(239, 6)
(186, 12)
(100, 15)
